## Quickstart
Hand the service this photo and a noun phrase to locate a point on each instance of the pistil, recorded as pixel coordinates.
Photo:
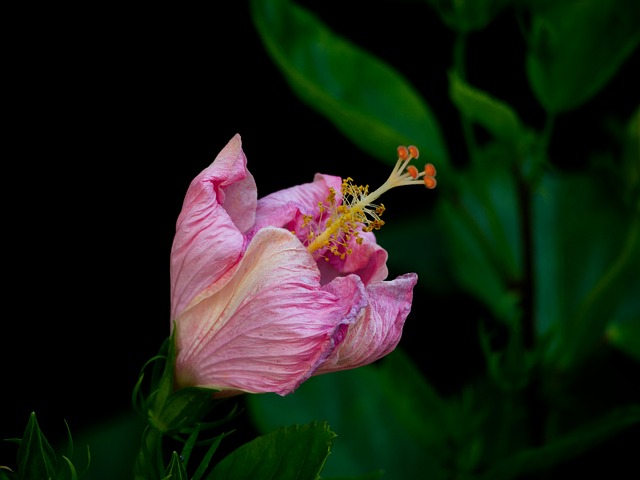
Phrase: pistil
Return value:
(358, 212)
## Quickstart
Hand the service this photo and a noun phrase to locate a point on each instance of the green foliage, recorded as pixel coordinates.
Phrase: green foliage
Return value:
(297, 452)
(494, 115)
(175, 470)
(576, 47)
(625, 335)
(37, 459)
(532, 460)
(173, 414)
(552, 253)
(468, 15)
(482, 225)
(367, 100)
(358, 407)
(589, 265)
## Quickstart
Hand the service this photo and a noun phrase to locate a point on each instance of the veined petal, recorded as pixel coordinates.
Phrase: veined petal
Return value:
(368, 260)
(270, 326)
(379, 329)
(284, 207)
(218, 208)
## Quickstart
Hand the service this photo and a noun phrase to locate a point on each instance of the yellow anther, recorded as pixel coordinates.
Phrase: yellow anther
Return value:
(340, 221)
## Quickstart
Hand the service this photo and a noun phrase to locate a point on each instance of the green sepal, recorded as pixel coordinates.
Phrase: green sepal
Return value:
(167, 409)
(36, 458)
(175, 470)
(183, 408)
(289, 453)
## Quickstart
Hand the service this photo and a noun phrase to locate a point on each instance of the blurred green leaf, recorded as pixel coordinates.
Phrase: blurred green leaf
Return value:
(114, 444)
(418, 406)
(532, 460)
(446, 428)
(468, 15)
(576, 47)
(495, 116)
(289, 453)
(482, 226)
(370, 476)
(206, 459)
(511, 367)
(358, 409)
(368, 101)
(404, 237)
(4, 474)
(625, 335)
(629, 172)
(587, 259)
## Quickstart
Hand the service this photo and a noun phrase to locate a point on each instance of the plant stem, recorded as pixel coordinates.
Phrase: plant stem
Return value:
(459, 49)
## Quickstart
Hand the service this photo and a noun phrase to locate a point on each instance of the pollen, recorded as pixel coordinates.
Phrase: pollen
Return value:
(341, 219)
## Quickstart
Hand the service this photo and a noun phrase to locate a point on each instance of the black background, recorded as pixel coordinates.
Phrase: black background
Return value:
(112, 113)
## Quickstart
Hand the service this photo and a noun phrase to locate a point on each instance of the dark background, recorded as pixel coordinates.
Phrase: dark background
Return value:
(112, 113)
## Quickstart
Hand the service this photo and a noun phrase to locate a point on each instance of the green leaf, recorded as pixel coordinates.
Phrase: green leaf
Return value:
(71, 469)
(36, 458)
(370, 102)
(576, 47)
(629, 171)
(358, 408)
(295, 452)
(532, 460)
(4, 474)
(370, 476)
(468, 15)
(418, 405)
(625, 336)
(446, 428)
(114, 444)
(587, 259)
(418, 232)
(482, 226)
(204, 464)
(492, 114)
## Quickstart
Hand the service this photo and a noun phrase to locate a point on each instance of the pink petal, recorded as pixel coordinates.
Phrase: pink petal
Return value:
(367, 260)
(282, 208)
(379, 328)
(270, 326)
(218, 207)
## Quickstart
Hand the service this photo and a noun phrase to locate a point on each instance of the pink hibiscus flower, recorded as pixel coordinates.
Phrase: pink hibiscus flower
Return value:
(268, 292)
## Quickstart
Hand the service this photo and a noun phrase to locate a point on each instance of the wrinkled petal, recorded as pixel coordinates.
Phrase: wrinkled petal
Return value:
(379, 329)
(218, 208)
(284, 207)
(270, 326)
(368, 260)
